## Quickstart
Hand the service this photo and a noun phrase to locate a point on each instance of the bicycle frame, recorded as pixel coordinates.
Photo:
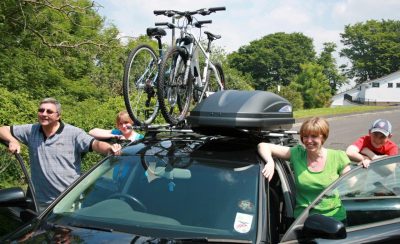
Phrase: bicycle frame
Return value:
(192, 62)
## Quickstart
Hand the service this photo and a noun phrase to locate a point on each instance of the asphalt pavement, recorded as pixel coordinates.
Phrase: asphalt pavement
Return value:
(345, 129)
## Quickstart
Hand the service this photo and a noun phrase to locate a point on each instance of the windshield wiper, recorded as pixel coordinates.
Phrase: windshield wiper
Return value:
(191, 240)
(91, 227)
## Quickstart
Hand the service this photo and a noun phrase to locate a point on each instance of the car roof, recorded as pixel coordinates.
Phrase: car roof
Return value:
(228, 124)
(236, 113)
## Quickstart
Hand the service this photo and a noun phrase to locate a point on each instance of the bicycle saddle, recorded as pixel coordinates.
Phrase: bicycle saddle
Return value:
(211, 36)
(156, 31)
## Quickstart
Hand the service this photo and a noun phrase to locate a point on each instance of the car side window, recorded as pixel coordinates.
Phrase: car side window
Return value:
(370, 195)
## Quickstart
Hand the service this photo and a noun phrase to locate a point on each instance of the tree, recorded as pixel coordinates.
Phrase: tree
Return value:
(313, 85)
(373, 48)
(50, 48)
(274, 59)
(328, 62)
(291, 94)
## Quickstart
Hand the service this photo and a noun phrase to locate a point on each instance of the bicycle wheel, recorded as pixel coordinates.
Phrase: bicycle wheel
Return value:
(212, 80)
(174, 93)
(140, 76)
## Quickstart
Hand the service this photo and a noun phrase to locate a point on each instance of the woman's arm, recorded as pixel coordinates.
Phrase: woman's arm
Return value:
(267, 151)
(101, 134)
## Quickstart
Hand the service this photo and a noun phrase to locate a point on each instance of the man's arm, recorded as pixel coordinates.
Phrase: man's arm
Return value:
(106, 148)
(5, 134)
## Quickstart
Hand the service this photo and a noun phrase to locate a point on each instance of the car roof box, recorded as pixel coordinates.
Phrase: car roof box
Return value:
(251, 110)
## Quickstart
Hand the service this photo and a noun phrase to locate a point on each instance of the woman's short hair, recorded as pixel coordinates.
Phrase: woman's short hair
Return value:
(315, 126)
(123, 116)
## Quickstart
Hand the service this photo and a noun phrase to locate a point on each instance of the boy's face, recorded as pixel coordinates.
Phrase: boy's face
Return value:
(378, 139)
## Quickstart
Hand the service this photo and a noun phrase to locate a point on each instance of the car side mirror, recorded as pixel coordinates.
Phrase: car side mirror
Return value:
(12, 197)
(320, 226)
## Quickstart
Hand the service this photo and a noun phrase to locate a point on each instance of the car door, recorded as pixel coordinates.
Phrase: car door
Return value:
(14, 182)
(371, 198)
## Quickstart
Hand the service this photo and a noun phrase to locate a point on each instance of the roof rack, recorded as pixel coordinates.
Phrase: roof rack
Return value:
(282, 137)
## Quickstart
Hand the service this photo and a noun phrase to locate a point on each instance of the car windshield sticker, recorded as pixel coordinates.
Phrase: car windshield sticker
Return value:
(246, 205)
(171, 186)
(243, 222)
(149, 173)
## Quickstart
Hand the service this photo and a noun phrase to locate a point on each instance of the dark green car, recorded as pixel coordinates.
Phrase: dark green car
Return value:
(204, 184)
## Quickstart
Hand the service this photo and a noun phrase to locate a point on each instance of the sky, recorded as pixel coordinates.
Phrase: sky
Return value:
(248, 20)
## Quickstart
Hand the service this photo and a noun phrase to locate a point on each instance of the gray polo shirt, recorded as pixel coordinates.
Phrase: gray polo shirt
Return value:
(55, 161)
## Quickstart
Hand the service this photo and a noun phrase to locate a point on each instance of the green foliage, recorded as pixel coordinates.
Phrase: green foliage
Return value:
(340, 110)
(291, 94)
(373, 48)
(10, 171)
(235, 80)
(16, 108)
(51, 48)
(328, 62)
(274, 59)
(313, 85)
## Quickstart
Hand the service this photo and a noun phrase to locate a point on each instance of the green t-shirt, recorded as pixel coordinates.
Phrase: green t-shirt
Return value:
(310, 184)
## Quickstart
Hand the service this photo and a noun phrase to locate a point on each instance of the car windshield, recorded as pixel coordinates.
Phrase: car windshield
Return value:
(159, 195)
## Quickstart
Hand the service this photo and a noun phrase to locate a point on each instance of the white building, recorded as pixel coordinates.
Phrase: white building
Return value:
(381, 91)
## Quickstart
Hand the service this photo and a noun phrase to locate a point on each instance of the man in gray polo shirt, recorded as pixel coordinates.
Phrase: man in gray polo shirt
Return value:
(55, 150)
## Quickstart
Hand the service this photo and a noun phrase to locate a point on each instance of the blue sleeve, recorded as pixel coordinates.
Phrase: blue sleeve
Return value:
(116, 132)
(22, 132)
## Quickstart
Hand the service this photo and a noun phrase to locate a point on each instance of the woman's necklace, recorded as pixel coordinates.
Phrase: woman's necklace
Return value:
(316, 162)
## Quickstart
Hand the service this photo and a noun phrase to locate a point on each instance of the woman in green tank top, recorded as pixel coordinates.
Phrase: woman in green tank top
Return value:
(314, 167)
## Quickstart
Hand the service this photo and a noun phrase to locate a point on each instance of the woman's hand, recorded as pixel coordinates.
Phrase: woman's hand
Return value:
(268, 170)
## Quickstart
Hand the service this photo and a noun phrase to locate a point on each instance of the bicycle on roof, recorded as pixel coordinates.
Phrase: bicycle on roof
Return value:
(141, 74)
(181, 79)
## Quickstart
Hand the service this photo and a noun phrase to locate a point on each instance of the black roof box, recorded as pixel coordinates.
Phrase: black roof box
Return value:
(251, 110)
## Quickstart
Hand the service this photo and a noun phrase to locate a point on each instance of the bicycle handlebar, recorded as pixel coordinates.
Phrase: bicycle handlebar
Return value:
(203, 11)
(199, 23)
(169, 25)
(168, 13)
(161, 23)
(217, 9)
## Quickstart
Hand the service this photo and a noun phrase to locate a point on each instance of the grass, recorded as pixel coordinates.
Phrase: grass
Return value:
(336, 111)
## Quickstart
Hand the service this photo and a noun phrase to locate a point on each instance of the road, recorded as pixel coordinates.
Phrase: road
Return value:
(346, 129)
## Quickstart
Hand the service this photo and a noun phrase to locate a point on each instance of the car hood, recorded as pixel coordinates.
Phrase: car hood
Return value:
(62, 234)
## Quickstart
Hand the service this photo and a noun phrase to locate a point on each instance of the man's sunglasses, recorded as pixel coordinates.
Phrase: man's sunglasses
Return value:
(42, 110)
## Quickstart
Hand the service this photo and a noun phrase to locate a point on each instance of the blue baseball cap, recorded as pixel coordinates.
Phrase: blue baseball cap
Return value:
(383, 126)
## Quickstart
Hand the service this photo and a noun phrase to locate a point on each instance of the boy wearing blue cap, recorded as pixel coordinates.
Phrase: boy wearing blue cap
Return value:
(375, 145)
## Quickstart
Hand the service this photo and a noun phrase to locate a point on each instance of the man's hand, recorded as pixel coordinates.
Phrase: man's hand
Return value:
(106, 148)
(14, 147)
(115, 149)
